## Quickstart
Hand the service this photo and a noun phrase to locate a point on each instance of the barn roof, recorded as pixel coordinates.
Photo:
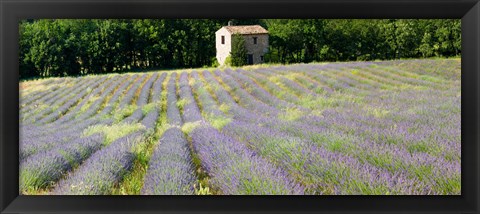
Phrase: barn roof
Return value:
(246, 29)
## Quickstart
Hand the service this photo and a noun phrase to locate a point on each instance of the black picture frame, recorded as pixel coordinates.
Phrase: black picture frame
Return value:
(14, 10)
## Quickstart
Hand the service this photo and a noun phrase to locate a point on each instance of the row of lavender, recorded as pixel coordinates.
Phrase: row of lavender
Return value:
(333, 160)
(428, 152)
(339, 128)
(59, 149)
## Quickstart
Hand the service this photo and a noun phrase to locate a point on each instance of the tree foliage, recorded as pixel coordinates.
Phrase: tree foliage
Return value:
(239, 51)
(307, 40)
(66, 47)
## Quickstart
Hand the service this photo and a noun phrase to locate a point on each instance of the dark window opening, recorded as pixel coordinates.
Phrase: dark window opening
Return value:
(223, 40)
(254, 40)
(261, 58)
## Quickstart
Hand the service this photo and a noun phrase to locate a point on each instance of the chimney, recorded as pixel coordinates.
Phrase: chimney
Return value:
(230, 23)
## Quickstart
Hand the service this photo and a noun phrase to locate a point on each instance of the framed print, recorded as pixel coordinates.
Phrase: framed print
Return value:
(237, 106)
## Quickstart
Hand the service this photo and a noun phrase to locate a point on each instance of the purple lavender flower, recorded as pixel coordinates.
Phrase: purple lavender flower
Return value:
(150, 120)
(40, 170)
(157, 88)
(236, 170)
(143, 98)
(191, 112)
(128, 97)
(170, 170)
(102, 170)
(173, 114)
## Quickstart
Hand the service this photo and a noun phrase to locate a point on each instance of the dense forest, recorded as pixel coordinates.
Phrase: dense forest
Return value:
(66, 47)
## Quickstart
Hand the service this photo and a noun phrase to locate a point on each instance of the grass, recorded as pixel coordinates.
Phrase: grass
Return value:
(317, 102)
(113, 132)
(190, 126)
(181, 103)
(333, 142)
(132, 183)
(219, 122)
(291, 114)
(381, 160)
(149, 107)
(377, 112)
(224, 108)
(87, 105)
(32, 183)
(38, 108)
(202, 190)
(120, 114)
(418, 147)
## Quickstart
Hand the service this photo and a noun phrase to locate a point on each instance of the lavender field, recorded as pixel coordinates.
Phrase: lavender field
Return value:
(369, 128)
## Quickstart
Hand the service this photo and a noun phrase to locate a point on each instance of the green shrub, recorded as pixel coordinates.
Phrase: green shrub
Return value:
(228, 61)
(239, 51)
(215, 62)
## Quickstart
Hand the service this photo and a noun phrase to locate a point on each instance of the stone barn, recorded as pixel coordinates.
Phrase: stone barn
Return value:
(256, 42)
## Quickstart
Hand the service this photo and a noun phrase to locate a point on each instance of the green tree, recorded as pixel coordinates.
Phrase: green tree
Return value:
(66, 47)
(286, 39)
(239, 51)
(27, 67)
(426, 46)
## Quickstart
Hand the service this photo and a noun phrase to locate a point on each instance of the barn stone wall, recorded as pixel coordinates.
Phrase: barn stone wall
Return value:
(257, 50)
(223, 50)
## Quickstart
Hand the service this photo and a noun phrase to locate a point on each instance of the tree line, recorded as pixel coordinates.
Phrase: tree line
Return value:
(66, 47)
(295, 40)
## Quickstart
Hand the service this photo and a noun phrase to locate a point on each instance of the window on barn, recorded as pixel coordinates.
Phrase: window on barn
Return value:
(223, 40)
(254, 40)
(261, 58)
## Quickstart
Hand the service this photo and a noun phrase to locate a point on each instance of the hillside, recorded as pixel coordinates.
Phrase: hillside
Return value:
(388, 127)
